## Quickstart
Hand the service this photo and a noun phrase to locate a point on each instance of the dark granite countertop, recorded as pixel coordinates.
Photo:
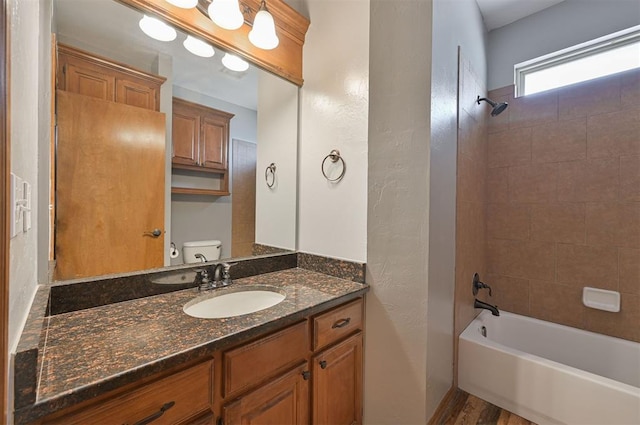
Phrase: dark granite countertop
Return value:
(90, 352)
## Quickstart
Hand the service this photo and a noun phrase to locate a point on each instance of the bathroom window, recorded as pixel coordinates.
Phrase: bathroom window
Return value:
(604, 56)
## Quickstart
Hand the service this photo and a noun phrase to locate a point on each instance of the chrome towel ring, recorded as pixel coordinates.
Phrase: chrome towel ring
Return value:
(334, 156)
(270, 171)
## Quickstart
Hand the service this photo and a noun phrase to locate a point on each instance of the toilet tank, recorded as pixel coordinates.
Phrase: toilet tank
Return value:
(210, 250)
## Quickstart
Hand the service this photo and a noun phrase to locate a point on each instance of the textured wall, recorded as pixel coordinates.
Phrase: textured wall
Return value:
(566, 24)
(469, 35)
(29, 119)
(471, 202)
(276, 207)
(334, 104)
(398, 213)
(564, 203)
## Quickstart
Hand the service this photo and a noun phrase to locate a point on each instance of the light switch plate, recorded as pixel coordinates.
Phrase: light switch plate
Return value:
(26, 225)
(17, 190)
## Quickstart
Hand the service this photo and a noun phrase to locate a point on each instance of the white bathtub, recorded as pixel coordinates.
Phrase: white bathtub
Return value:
(549, 373)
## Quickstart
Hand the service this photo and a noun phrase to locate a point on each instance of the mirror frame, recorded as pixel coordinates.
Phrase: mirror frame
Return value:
(284, 61)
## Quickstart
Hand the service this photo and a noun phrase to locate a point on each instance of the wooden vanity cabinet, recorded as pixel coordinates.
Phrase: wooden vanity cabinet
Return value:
(306, 373)
(200, 136)
(283, 400)
(337, 383)
(336, 366)
(289, 378)
(185, 397)
(200, 142)
(95, 76)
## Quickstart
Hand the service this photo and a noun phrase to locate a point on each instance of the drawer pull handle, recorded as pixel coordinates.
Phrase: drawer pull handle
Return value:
(306, 375)
(156, 415)
(341, 323)
(323, 364)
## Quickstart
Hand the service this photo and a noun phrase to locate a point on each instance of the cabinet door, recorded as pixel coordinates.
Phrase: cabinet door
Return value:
(337, 384)
(185, 136)
(214, 143)
(136, 94)
(88, 80)
(284, 400)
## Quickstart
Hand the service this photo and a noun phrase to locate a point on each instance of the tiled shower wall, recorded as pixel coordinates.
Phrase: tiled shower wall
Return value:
(563, 212)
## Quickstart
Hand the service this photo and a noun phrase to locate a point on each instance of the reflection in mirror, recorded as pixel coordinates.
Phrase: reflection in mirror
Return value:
(262, 129)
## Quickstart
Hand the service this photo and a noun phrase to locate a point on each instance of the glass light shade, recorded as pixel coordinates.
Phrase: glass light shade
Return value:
(198, 47)
(226, 14)
(234, 63)
(185, 4)
(263, 34)
(157, 29)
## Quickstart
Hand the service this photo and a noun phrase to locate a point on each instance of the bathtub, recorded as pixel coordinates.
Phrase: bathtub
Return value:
(549, 373)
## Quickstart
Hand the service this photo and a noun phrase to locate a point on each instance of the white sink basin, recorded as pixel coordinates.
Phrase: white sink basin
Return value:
(232, 304)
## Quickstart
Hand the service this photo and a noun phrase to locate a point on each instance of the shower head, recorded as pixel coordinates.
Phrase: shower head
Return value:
(497, 107)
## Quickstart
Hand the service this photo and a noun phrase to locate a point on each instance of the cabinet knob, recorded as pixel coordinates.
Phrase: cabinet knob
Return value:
(323, 364)
(306, 375)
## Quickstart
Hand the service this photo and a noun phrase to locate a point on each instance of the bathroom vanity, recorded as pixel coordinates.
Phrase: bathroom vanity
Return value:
(145, 360)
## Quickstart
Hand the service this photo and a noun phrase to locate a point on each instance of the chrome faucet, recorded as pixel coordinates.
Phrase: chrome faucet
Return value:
(492, 308)
(201, 257)
(221, 275)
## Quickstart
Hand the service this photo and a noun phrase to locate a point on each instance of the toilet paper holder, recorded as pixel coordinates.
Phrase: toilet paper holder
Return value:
(173, 251)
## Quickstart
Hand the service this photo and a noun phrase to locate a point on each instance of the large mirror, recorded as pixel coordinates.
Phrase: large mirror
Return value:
(259, 214)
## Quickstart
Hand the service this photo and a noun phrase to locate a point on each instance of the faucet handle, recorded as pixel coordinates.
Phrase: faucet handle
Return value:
(202, 279)
(226, 275)
(477, 285)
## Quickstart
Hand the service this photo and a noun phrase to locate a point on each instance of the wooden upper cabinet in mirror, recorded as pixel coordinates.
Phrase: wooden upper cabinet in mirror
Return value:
(291, 27)
(91, 75)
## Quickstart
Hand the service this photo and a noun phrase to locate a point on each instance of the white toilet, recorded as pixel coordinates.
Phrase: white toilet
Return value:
(210, 249)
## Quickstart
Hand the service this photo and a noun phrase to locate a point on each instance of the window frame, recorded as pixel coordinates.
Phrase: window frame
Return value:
(589, 48)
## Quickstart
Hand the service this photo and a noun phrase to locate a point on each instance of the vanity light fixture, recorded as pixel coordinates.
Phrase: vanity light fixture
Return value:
(157, 29)
(226, 14)
(184, 4)
(263, 34)
(198, 47)
(234, 63)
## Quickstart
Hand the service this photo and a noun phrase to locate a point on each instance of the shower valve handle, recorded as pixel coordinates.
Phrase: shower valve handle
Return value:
(477, 285)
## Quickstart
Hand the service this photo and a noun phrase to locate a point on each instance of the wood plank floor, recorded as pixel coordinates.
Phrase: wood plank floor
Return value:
(466, 409)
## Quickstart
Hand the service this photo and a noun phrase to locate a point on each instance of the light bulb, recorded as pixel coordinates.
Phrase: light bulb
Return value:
(157, 29)
(234, 63)
(198, 47)
(263, 34)
(226, 14)
(185, 4)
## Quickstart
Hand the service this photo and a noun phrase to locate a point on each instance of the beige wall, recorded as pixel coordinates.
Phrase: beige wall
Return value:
(471, 203)
(564, 203)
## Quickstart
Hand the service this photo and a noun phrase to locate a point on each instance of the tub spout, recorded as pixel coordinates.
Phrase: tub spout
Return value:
(492, 308)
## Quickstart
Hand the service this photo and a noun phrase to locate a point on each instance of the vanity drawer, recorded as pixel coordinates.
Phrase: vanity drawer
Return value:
(183, 395)
(334, 324)
(252, 363)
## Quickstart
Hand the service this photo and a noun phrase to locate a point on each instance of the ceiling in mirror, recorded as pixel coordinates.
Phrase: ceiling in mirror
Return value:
(117, 26)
